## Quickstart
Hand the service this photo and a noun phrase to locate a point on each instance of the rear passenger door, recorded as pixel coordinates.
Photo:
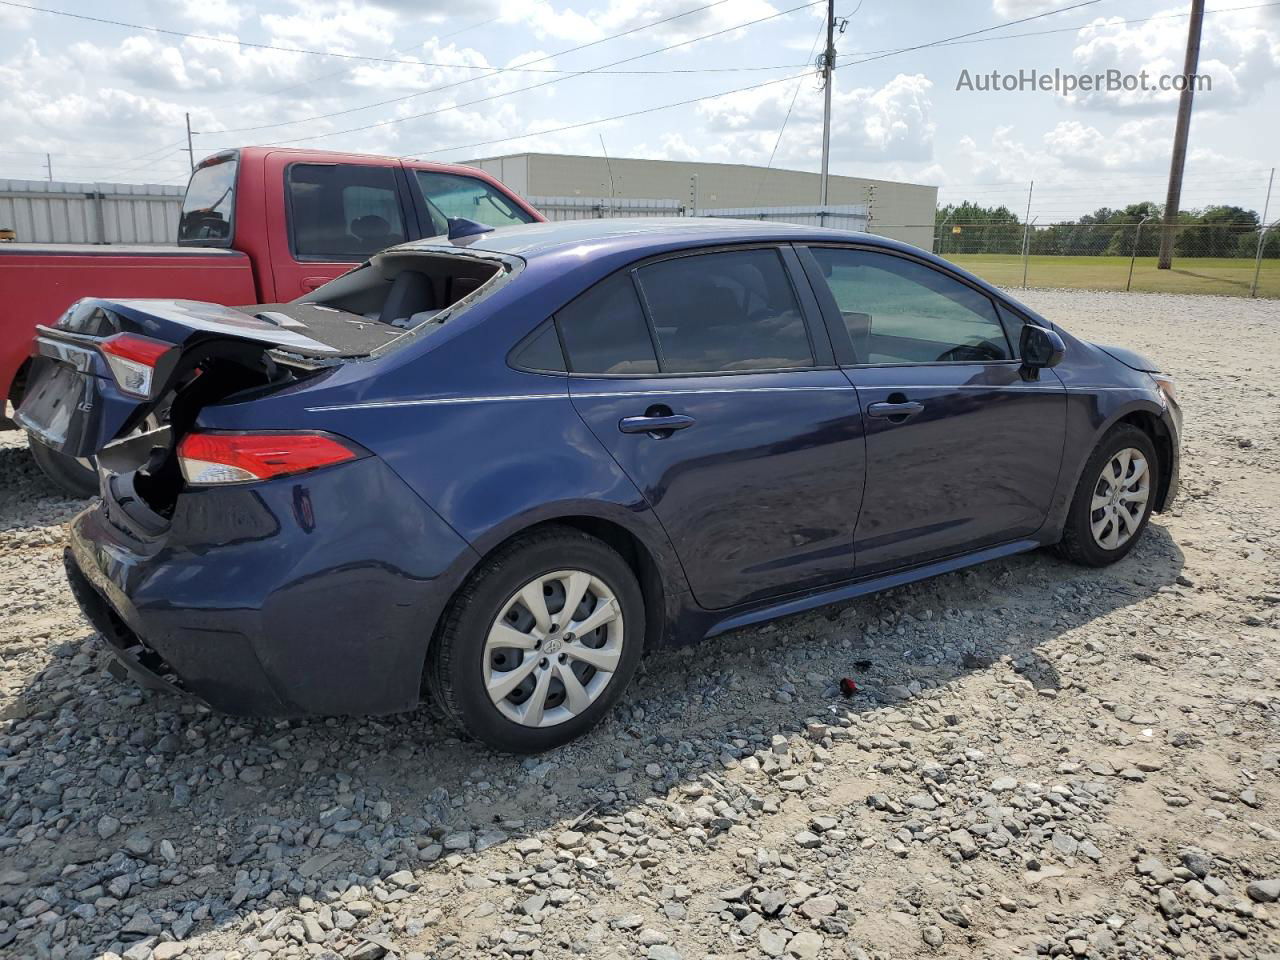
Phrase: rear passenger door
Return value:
(710, 380)
(332, 217)
(963, 451)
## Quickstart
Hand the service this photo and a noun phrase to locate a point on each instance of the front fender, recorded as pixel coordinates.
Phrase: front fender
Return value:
(1091, 414)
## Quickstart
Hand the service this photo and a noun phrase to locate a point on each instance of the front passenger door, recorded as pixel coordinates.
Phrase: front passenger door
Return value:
(962, 451)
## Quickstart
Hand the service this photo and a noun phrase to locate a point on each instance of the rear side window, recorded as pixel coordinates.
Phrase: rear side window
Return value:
(604, 330)
(731, 311)
(343, 211)
(207, 207)
(449, 195)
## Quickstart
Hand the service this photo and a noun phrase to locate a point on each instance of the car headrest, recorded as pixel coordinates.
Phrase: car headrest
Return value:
(411, 292)
(370, 228)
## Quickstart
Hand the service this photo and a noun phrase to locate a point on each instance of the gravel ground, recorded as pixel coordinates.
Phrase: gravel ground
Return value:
(1041, 760)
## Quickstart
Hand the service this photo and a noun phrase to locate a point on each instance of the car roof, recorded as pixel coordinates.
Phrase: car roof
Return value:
(640, 234)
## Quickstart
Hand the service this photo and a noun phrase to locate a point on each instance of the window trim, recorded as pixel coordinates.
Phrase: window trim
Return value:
(822, 359)
(409, 223)
(839, 333)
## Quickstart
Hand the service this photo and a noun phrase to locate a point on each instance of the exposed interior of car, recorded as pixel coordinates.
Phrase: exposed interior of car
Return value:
(376, 303)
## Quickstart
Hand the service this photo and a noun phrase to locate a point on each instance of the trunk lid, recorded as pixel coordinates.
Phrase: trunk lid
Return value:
(110, 370)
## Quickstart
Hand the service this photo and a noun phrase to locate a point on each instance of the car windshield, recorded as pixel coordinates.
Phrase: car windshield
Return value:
(448, 195)
(207, 207)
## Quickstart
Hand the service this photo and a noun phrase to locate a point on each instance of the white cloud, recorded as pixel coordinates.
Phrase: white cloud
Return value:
(1015, 9)
(1239, 52)
(892, 122)
(621, 15)
(220, 13)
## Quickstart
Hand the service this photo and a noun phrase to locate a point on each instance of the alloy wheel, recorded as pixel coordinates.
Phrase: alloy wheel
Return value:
(553, 648)
(1120, 498)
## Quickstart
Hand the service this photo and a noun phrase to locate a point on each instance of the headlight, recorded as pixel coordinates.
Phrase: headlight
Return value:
(1164, 383)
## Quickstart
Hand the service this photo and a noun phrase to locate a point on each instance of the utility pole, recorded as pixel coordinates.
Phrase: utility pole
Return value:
(1262, 234)
(48, 162)
(828, 65)
(191, 154)
(1026, 234)
(1174, 198)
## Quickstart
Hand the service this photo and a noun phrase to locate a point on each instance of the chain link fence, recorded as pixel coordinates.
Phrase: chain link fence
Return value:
(1237, 258)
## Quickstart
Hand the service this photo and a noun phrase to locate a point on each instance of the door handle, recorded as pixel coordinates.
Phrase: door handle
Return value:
(895, 411)
(312, 283)
(660, 426)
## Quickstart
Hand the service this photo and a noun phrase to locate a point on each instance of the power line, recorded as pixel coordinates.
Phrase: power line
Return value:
(314, 53)
(1083, 26)
(343, 69)
(791, 106)
(725, 93)
(534, 86)
(497, 70)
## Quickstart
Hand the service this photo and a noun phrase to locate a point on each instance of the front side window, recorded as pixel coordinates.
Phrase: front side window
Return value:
(730, 311)
(448, 195)
(900, 311)
(604, 331)
(343, 211)
(207, 207)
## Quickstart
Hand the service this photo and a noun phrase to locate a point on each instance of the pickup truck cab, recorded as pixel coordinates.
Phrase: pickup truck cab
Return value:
(258, 225)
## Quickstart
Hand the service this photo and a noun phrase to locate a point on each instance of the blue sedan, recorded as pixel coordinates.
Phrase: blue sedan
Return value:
(494, 471)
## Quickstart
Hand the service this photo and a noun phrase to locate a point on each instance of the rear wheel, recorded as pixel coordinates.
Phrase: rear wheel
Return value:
(1113, 500)
(540, 643)
(77, 477)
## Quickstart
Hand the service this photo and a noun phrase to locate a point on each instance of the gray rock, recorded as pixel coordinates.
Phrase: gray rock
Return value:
(805, 945)
(1264, 891)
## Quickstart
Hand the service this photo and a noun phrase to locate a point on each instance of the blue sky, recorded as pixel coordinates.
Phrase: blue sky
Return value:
(108, 101)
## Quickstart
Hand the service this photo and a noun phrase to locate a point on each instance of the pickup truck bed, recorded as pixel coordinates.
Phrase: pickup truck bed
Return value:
(119, 271)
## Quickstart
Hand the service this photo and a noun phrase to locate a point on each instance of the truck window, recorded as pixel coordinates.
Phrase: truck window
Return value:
(208, 205)
(449, 195)
(342, 211)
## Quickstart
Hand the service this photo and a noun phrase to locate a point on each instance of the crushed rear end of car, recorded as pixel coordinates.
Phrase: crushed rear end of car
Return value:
(241, 553)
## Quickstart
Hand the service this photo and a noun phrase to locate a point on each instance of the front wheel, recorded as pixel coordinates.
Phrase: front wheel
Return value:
(76, 477)
(1113, 499)
(540, 643)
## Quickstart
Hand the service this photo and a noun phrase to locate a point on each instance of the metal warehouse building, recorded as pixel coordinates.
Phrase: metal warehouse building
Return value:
(903, 211)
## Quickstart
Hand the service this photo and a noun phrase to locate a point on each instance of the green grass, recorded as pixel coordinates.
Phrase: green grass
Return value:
(1199, 275)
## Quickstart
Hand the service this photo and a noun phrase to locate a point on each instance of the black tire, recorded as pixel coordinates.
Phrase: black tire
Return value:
(1078, 543)
(68, 474)
(455, 663)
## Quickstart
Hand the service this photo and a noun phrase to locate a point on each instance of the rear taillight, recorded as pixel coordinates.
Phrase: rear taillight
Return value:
(133, 360)
(212, 458)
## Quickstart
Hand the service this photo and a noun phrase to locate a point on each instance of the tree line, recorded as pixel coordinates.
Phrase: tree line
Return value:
(1219, 231)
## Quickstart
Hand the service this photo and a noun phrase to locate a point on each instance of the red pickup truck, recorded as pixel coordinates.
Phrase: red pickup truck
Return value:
(258, 225)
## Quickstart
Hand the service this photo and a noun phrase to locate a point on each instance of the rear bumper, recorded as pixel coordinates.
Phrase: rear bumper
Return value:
(301, 596)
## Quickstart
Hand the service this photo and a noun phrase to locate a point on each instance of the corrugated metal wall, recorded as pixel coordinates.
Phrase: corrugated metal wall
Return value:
(40, 211)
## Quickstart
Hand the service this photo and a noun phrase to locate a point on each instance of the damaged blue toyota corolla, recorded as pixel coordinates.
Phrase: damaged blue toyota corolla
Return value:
(493, 472)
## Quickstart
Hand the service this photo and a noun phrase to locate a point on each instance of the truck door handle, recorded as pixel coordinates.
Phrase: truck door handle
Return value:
(659, 426)
(311, 283)
(895, 411)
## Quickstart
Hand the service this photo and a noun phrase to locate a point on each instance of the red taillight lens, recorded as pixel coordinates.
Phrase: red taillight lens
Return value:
(132, 360)
(212, 458)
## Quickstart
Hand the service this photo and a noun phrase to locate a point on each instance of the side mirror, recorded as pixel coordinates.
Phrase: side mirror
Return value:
(1040, 347)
